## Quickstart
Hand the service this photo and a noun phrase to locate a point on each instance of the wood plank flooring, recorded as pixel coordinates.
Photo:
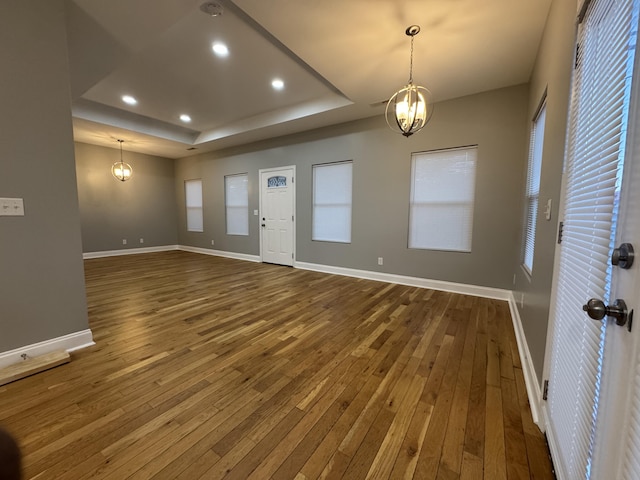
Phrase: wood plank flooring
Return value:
(209, 368)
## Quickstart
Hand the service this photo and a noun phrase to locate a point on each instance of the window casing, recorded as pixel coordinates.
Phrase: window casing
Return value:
(332, 199)
(193, 202)
(442, 197)
(532, 191)
(236, 188)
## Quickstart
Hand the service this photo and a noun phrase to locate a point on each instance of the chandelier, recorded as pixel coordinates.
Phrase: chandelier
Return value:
(121, 170)
(410, 108)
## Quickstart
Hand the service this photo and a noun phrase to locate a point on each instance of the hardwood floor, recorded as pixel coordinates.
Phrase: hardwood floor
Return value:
(207, 367)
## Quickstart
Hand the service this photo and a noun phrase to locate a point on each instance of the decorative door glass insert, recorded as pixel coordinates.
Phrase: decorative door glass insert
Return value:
(275, 182)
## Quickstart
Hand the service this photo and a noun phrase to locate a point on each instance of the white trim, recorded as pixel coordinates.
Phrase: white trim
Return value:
(129, 251)
(528, 370)
(71, 342)
(220, 253)
(553, 444)
(474, 290)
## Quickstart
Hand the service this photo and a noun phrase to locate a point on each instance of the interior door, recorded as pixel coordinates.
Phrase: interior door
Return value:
(590, 385)
(277, 204)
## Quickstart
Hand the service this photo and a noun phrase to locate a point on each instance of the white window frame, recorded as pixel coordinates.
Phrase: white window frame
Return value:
(339, 201)
(442, 199)
(193, 205)
(532, 190)
(237, 204)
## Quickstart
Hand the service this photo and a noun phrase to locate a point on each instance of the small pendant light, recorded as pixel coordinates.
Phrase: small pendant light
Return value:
(120, 170)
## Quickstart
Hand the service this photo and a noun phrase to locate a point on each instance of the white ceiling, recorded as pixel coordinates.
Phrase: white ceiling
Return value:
(339, 59)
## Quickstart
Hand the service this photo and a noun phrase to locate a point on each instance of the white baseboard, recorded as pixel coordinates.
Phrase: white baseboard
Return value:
(220, 253)
(129, 251)
(530, 378)
(167, 248)
(70, 342)
(474, 290)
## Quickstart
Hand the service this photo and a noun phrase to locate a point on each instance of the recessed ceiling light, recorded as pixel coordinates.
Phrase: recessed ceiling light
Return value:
(220, 49)
(129, 100)
(277, 84)
(185, 118)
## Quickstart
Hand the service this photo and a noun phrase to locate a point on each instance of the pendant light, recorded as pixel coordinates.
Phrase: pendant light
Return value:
(410, 108)
(120, 170)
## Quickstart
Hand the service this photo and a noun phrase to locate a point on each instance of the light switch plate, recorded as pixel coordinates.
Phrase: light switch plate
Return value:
(547, 210)
(11, 207)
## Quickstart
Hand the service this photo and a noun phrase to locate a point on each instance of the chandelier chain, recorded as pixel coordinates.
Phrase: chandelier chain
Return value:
(411, 63)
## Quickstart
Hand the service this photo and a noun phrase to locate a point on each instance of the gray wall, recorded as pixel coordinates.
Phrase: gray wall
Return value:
(42, 293)
(552, 73)
(142, 207)
(496, 121)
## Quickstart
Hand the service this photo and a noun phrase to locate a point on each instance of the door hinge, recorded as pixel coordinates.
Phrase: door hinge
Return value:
(292, 218)
(293, 180)
(545, 391)
(560, 231)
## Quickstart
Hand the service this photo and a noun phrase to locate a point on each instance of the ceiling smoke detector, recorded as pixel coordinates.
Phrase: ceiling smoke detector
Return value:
(212, 8)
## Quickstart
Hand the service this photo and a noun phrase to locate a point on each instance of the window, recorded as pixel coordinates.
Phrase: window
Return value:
(533, 188)
(193, 201)
(442, 193)
(237, 204)
(332, 202)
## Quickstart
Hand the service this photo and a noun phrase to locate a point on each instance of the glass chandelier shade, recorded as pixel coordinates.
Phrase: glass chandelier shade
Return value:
(120, 170)
(410, 108)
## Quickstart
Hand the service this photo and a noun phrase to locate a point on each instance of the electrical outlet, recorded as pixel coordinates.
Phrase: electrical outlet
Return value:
(380, 261)
(212, 243)
(142, 240)
(514, 278)
(124, 241)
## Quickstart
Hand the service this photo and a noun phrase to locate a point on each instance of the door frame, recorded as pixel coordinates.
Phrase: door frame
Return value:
(293, 207)
(542, 404)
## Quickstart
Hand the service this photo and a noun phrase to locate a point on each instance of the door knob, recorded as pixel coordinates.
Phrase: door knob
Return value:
(623, 256)
(597, 310)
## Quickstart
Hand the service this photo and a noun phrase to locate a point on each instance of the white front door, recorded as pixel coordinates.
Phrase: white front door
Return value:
(593, 405)
(277, 210)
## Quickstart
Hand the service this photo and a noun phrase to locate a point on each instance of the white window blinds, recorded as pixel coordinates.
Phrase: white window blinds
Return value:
(237, 204)
(533, 187)
(442, 195)
(193, 201)
(332, 202)
(593, 164)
